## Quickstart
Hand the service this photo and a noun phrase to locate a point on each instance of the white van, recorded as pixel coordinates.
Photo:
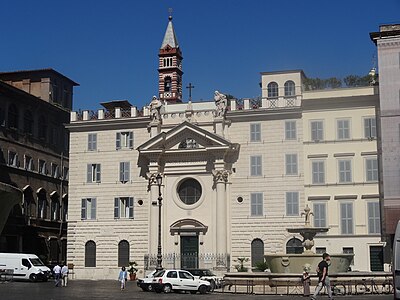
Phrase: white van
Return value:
(25, 266)
(396, 262)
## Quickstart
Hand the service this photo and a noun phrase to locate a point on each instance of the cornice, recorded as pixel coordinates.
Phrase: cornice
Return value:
(108, 124)
(389, 43)
(260, 114)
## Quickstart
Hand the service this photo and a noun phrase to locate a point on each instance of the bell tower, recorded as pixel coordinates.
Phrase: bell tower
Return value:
(170, 67)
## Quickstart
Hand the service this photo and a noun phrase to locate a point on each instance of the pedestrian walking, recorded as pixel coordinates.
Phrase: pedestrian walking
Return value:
(64, 274)
(57, 274)
(323, 278)
(123, 277)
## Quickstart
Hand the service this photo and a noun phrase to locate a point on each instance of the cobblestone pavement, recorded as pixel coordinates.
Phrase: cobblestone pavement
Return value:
(86, 289)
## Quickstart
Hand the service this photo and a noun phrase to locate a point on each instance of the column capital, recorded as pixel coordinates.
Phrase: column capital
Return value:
(221, 176)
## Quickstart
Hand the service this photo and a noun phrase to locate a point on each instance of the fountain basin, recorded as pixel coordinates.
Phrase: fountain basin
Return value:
(294, 263)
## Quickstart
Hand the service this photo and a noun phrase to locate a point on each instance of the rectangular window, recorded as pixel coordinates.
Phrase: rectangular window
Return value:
(376, 258)
(255, 132)
(291, 164)
(124, 171)
(343, 129)
(255, 165)
(93, 173)
(290, 130)
(88, 209)
(92, 141)
(54, 170)
(345, 171)
(292, 203)
(371, 166)
(317, 131)
(349, 250)
(12, 159)
(319, 210)
(123, 208)
(320, 250)
(256, 204)
(374, 220)
(318, 172)
(370, 128)
(42, 167)
(28, 164)
(346, 218)
(124, 140)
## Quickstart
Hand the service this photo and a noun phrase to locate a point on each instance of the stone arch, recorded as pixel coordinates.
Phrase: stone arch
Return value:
(29, 202)
(41, 203)
(64, 207)
(294, 246)
(257, 252)
(188, 225)
(90, 254)
(123, 253)
(54, 206)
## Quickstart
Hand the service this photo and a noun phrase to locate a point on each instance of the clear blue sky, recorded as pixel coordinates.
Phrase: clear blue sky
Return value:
(110, 47)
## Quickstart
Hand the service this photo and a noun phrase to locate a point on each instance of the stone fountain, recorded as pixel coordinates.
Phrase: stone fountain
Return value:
(295, 263)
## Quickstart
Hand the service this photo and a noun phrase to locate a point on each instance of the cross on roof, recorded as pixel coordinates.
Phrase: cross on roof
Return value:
(190, 87)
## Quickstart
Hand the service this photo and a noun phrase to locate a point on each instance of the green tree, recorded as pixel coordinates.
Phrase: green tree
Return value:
(334, 82)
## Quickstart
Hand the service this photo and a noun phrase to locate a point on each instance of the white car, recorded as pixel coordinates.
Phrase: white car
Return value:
(179, 280)
(206, 274)
(145, 283)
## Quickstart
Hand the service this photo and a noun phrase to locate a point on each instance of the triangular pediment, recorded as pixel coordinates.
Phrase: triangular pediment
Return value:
(185, 136)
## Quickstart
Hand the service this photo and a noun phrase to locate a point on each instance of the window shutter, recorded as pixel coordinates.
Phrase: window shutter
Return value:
(131, 140)
(94, 141)
(89, 173)
(126, 171)
(116, 208)
(98, 173)
(89, 141)
(118, 141)
(121, 171)
(93, 209)
(131, 207)
(83, 209)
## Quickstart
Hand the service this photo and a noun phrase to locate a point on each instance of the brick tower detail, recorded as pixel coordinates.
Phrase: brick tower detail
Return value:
(170, 67)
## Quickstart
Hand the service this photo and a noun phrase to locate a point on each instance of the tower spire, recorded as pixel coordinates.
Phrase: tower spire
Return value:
(170, 66)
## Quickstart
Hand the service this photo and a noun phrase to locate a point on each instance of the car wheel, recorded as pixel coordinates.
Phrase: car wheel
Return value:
(167, 289)
(33, 277)
(149, 288)
(203, 289)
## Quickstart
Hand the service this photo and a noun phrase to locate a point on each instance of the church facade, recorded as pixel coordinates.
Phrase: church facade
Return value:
(234, 176)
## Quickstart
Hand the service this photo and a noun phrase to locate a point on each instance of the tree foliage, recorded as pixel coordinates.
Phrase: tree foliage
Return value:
(334, 82)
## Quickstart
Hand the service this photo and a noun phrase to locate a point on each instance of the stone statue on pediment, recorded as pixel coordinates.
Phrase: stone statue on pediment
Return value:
(155, 107)
(221, 103)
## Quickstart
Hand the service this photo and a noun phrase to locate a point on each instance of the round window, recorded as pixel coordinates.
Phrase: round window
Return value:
(189, 191)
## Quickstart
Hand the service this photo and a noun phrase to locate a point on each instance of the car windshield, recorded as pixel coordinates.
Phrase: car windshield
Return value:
(201, 273)
(159, 273)
(36, 262)
(208, 273)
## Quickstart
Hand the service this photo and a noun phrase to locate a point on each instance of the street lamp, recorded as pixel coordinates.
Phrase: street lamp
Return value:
(159, 256)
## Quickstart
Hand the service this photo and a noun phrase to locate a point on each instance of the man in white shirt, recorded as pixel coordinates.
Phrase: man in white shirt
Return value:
(57, 274)
(64, 274)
